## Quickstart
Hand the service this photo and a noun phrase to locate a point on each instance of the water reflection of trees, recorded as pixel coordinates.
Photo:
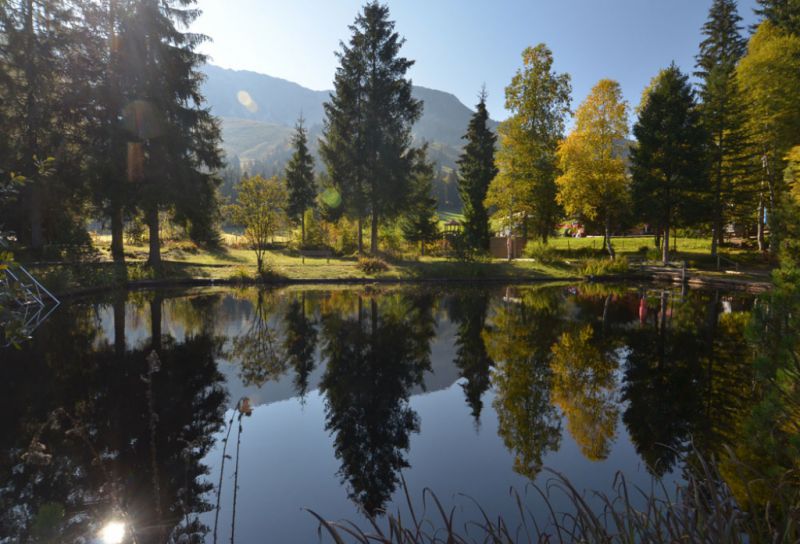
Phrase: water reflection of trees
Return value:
(548, 353)
(114, 434)
(686, 372)
(468, 309)
(518, 339)
(299, 342)
(374, 358)
(686, 377)
(258, 350)
(584, 387)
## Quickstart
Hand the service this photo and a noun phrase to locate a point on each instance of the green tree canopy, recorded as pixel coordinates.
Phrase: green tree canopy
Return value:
(765, 76)
(421, 223)
(366, 144)
(524, 190)
(261, 210)
(476, 170)
(669, 181)
(300, 179)
(723, 114)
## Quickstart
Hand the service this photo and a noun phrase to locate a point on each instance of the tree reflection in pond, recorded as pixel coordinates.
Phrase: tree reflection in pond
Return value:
(468, 309)
(584, 387)
(299, 343)
(258, 350)
(518, 340)
(92, 430)
(373, 359)
(110, 456)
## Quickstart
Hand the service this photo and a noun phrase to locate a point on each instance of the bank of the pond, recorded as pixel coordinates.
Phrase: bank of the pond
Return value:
(68, 280)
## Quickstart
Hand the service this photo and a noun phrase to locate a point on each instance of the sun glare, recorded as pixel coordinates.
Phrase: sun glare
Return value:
(247, 101)
(112, 533)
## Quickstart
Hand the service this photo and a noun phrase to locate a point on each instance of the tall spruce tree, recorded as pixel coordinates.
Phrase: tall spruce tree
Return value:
(669, 163)
(420, 223)
(722, 111)
(784, 14)
(106, 164)
(173, 148)
(42, 86)
(768, 76)
(300, 179)
(367, 138)
(476, 170)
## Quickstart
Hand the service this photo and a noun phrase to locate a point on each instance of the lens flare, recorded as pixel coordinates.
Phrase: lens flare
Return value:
(331, 198)
(247, 101)
(112, 533)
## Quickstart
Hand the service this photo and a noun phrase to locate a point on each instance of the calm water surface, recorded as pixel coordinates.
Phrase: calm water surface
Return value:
(119, 408)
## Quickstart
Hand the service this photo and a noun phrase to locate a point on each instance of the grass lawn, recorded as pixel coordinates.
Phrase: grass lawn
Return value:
(183, 260)
(695, 251)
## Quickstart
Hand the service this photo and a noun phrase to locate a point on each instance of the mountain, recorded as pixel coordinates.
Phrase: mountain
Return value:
(258, 112)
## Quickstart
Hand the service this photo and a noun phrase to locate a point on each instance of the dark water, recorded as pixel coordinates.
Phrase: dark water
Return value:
(341, 393)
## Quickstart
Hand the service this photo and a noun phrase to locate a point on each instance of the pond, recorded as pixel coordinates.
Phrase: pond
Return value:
(188, 415)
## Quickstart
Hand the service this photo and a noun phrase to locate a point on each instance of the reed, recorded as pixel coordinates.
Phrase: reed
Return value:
(702, 509)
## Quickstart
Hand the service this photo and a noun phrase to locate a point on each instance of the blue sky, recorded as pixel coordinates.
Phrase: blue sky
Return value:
(459, 45)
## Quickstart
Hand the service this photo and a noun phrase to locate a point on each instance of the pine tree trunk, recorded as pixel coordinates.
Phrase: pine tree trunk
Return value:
(716, 229)
(360, 235)
(154, 258)
(37, 232)
(665, 246)
(117, 233)
(373, 235)
(35, 202)
(760, 231)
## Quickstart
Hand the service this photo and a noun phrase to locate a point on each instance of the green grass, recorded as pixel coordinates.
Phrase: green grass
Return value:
(566, 258)
(695, 251)
(182, 260)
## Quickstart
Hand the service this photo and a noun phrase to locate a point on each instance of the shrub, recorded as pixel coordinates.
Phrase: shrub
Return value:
(241, 274)
(372, 265)
(603, 267)
(542, 253)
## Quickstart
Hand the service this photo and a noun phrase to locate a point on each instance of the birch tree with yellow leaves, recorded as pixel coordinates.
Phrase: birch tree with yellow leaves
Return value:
(593, 186)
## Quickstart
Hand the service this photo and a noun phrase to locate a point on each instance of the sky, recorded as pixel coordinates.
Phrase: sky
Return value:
(461, 45)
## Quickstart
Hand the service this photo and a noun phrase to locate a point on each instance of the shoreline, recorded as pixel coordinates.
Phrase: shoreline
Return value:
(692, 281)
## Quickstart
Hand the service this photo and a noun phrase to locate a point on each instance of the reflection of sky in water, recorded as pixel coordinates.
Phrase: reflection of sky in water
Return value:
(288, 462)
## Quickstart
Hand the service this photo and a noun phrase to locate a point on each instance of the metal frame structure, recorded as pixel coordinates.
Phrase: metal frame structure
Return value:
(33, 298)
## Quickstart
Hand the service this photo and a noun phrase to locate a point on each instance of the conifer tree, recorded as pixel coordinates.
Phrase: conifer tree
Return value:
(106, 155)
(300, 179)
(722, 110)
(669, 163)
(174, 139)
(476, 170)
(39, 48)
(784, 14)
(768, 76)
(421, 224)
(367, 137)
